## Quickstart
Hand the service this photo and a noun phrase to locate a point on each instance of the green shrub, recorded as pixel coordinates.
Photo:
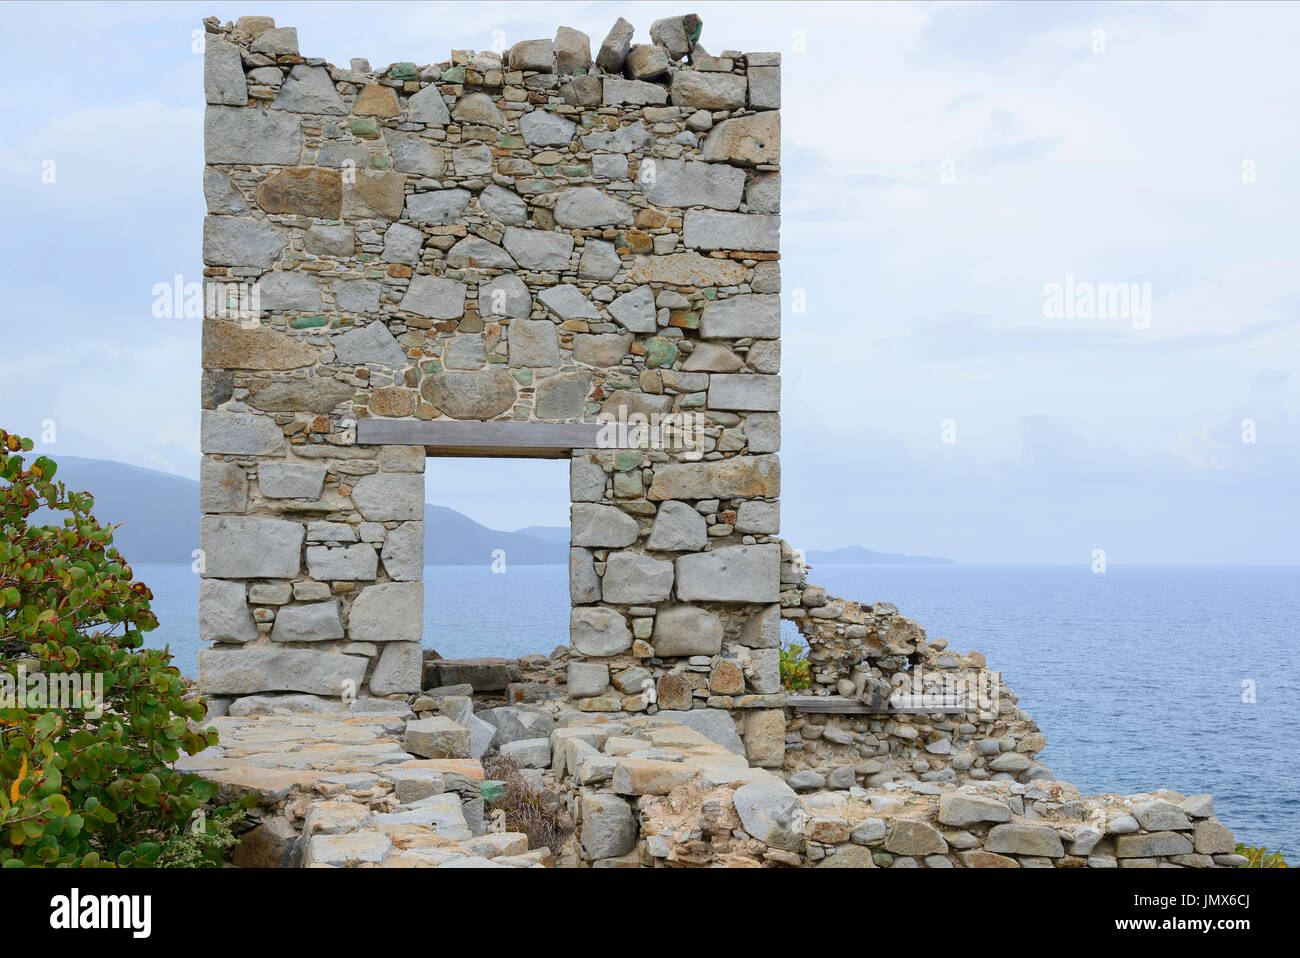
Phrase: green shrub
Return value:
(86, 781)
(1260, 857)
(794, 668)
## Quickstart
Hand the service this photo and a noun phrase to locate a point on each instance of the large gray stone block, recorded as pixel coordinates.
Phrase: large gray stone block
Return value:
(241, 547)
(769, 810)
(598, 632)
(708, 229)
(745, 392)
(291, 480)
(678, 527)
(586, 207)
(250, 135)
(538, 249)
(438, 208)
(631, 579)
(608, 825)
(223, 73)
(224, 615)
(503, 205)
(241, 241)
(698, 90)
(310, 622)
(543, 128)
(403, 552)
(584, 584)
(601, 527)
(388, 612)
(731, 574)
(309, 90)
(681, 630)
(435, 297)
(534, 343)
(398, 670)
(635, 310)
(381, 498)
(680, 183)
(371, 343)
(347, 563)
(586, 679)
(245, 671)
(223, 487)
(428, 107)
(749, 315)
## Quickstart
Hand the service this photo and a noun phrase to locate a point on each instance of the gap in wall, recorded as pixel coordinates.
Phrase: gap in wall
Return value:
(496, 556)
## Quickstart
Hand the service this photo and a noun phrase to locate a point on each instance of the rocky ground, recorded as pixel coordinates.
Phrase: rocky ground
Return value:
(457, 779)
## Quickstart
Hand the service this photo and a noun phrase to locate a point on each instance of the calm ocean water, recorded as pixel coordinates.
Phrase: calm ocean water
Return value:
(1135, 677)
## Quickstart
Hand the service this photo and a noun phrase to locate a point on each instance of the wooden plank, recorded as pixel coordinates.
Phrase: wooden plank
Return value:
(539, 440)
(839, 705)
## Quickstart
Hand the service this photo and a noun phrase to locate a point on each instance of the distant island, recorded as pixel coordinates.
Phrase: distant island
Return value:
(857, 555)
(159, 513)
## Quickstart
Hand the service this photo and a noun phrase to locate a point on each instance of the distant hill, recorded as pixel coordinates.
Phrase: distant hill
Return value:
(454, 539)
(159, 513)
(857, 555)
(558, 534)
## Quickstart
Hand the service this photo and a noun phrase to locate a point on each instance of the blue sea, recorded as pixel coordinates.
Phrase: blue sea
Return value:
(1139, 677)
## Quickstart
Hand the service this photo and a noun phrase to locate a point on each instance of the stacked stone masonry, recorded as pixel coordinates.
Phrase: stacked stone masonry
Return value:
(544, 236)
(556, 235)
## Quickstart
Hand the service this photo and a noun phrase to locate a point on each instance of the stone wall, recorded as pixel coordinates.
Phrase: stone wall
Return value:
(852, 647)
(542, 236)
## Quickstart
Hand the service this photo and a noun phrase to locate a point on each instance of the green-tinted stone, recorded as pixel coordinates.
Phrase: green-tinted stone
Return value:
(576, 171)
(684, 319)
(338, 322)
(659, 352)
(534, 185)
(496, 358)
(692, 400)
(589, 120)
(592, 406)
(347, 76)
(627, 459)
(693, 26)
(627, 485)
(511, 142)
(307, 322)
(402, 71)
(710, 292)
(453, 75)
(431, 366)
(492, 790)
(364, 126)
(524, 377)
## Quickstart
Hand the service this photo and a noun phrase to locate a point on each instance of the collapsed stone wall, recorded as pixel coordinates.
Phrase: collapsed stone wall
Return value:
(542, 236)
(852, 647)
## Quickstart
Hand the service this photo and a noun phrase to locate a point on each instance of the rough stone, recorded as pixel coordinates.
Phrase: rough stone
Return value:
(388, 612)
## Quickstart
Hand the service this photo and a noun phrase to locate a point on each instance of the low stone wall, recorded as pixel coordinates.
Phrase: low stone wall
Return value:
(652, 794)
(852, 646)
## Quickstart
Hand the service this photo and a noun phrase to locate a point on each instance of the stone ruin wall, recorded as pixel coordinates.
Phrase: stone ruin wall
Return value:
(530, 238)
(545, 237)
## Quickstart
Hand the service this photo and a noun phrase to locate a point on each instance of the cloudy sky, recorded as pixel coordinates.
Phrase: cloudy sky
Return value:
(944, 166)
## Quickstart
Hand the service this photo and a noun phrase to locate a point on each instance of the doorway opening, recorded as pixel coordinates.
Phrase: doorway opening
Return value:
(496, 547)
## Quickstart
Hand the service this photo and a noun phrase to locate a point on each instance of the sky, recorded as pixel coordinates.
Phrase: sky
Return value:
(949, 171)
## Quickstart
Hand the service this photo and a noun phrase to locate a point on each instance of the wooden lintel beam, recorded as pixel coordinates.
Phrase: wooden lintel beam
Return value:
(538, 440)
(839, 705)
